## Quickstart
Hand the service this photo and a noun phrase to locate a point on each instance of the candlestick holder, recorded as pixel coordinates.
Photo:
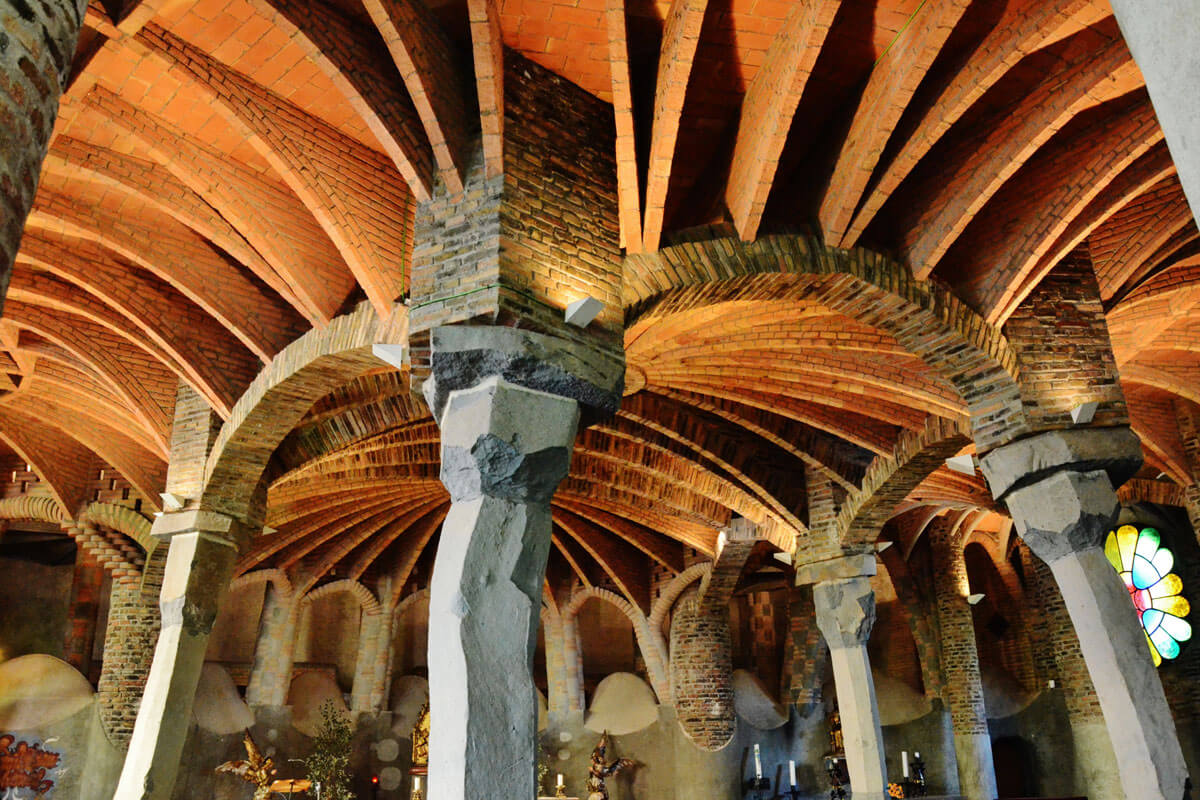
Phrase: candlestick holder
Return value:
(560, 791)
(758, 785)
(793, 793)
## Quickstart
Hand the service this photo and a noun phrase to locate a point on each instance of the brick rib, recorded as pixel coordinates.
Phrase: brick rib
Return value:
(681, 36)
(487, 46)
(894, 80)
(629, 198)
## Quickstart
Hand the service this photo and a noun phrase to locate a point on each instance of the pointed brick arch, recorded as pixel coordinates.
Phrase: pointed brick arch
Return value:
(925, 318)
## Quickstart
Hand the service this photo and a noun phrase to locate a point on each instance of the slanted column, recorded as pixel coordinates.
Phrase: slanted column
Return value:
(81, 617)
(845, 607)
(960, 663)
(271, 673)
(129, 641)
(1187, 418)
(505, 449)
(199, 566)
(1058, 486)
(369, 644)
(35, 60)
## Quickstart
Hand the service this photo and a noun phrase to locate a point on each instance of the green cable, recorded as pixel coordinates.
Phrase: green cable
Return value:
(899, 33)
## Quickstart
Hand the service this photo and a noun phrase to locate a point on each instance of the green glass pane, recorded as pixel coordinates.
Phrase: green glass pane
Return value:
(1166, 646)
(1147, 542)
(1144, 573)
(1151, 619)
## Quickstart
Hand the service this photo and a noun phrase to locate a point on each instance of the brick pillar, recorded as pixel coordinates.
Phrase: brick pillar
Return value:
(271, 673)
(960, 662)
(81, 616)
(763, 643)
(809, 651)
(129, 641)
(36, 48)
(701, 674)
(1187, 417)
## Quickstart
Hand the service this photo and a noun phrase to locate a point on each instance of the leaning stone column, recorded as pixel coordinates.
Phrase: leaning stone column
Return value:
(37, 43)
(1058, 486)
(506, 445)
(960, 665)
(200, 561)
(271, 673)
(845, 608)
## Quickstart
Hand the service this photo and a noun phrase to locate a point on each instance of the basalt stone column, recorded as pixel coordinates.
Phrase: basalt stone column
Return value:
(37, 43)
(845, 609)
(199, 565)
(505, 449)
(1058, 486)
(702, 674)
(271, 673)
(960, 664)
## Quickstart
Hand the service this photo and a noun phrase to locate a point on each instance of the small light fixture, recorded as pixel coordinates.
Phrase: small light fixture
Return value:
(964, 464)
(784, 558)
(171, 502)
(1082, 414)
(268, 530)
(974, 599)
(1050, 684)
(581, 312)
(390, 354)
(881, 546)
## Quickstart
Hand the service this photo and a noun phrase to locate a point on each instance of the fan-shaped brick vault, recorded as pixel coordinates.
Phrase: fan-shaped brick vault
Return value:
(900, 303)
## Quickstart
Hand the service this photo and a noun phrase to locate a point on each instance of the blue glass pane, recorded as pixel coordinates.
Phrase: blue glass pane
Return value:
(1151, 619)
(1167, 647)
(1144, 573)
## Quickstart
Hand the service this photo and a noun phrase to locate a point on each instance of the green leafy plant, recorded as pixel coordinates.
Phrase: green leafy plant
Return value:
(329, 763)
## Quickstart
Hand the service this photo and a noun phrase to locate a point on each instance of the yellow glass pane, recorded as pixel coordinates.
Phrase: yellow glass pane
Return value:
(1127, 537)
(1168, 586)
(1112, 551)
(1153, 650)
(1177, 605)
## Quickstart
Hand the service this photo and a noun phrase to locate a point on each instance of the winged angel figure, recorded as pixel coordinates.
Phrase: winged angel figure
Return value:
(255, 769)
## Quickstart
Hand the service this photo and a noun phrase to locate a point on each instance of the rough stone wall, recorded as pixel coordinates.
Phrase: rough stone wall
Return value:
(129, 641)
(701, 675)
(37, 43)
(1060, 336)
(81, 615)
(809, 653)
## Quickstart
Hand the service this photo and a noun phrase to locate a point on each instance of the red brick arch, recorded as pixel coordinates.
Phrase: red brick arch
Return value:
(925, 318)
(303, 372)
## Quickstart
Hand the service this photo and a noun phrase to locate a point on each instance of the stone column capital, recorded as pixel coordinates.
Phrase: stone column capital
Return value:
(210, 524)
(855, 565)
(1064, 513)
(845, 611)
(1117, 451)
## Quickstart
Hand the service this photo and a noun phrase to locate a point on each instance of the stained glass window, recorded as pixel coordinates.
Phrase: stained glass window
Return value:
(1145, 566)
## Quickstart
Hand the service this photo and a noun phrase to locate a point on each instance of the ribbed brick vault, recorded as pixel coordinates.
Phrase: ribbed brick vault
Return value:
(226, 175)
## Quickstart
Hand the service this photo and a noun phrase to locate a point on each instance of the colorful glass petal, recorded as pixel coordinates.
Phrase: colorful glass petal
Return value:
(1178, 629)
(1167, 647)
(1127, 537)
(1163, 561)
(1112, 551)
(1153, 650)
(1144, 573)
(1151, 620)
(1177, 605)
(1167, 586)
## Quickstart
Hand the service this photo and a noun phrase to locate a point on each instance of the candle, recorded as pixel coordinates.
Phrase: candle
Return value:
(757, 764)
(559, 784)
(917, 756)
(792, 774)
(416, 783)
(904, 762)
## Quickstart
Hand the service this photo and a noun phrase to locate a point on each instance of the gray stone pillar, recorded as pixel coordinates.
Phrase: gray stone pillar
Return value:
(200, 561)
(505, 449)
(1165, 41)
(37, 43)
(960, 665)
(1059, 489)
(845, 608)
(271, 673)
(363, 693)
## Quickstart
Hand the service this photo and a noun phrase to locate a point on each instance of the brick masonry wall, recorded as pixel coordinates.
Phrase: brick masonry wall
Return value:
(37, 42)
(809, 652)
(81, 615)
(1060, 336)
(960, 659)
(133, 624)
(516, 249)
(701, 675)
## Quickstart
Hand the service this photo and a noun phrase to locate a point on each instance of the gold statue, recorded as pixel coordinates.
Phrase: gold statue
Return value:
(420, 738)
(255, 769)
(600, 770)
(835, 733)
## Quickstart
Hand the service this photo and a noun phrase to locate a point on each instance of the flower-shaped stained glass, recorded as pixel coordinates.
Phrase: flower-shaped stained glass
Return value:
(1145, 567)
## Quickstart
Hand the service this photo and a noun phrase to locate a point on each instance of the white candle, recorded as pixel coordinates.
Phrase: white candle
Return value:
(416, 783)
(917, 756)
(904, 762)
(559, 779)
(757, 764)
(792, 774)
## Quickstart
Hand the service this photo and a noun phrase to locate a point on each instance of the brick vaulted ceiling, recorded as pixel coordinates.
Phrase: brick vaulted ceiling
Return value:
(226, 174)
